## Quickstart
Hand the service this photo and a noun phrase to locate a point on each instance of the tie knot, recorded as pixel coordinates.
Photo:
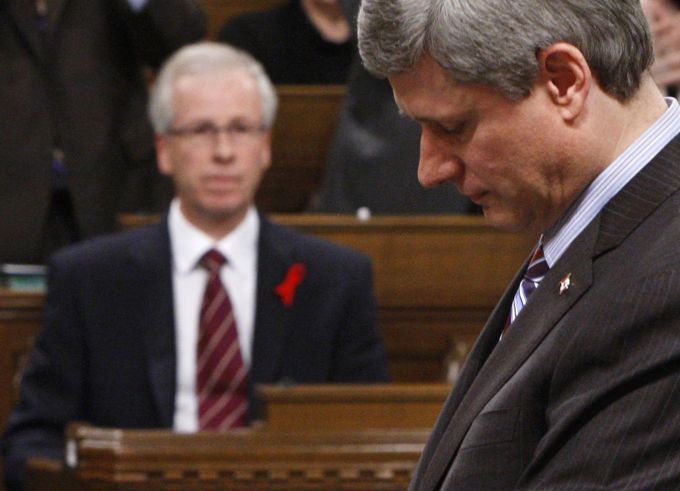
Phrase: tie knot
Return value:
(538, 266)
(212, 261)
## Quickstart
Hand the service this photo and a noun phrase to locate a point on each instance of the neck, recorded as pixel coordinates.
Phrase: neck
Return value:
(638, 114)
(215, 225)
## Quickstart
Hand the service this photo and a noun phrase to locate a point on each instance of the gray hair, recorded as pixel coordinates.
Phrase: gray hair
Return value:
(204, 58)
(495, 42)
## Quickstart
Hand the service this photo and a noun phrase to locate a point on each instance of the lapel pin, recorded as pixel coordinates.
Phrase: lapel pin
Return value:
(565, 283)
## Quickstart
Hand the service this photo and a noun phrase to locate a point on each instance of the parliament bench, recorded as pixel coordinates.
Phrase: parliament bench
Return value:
(305, 124)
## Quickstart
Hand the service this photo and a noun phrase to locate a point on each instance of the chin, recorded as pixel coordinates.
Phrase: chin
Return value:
(503, 221)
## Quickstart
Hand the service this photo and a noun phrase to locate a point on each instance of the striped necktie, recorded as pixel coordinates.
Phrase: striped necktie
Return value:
(221, 376)
(538, 268)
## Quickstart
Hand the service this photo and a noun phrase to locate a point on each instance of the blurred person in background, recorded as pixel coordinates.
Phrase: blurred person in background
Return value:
(172, 325)
(664, 20)
(299, 42)
(74, 139)
(375, 147)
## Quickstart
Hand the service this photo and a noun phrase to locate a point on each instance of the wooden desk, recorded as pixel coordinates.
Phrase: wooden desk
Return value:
(248, 459)
(349, 407)
(320, 437)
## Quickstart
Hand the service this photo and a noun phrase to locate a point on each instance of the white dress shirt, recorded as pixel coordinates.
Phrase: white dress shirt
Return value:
(239, 276)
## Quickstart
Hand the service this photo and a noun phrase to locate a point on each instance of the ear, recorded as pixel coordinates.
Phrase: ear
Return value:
(564, 72)
(163, 160)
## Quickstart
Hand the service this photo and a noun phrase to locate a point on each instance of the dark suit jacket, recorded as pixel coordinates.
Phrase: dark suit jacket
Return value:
(583, 391)
(107, 352)
(85, 86)
(289, 47)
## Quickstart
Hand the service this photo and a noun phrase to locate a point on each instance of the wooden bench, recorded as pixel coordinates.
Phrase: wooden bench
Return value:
(302, 134)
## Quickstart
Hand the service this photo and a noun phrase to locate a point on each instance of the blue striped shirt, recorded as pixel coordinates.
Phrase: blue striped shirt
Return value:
(611, 181)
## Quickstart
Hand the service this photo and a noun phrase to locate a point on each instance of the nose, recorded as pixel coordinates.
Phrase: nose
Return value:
(223, 148)
(438, 161)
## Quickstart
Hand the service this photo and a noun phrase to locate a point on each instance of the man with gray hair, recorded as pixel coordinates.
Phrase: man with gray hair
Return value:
(545, 114)
(173, 324)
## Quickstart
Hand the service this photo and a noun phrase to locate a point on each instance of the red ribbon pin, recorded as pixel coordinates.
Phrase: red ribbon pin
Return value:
(286, 290)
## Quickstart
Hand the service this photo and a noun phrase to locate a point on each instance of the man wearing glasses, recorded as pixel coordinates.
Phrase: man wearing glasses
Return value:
(173, 324)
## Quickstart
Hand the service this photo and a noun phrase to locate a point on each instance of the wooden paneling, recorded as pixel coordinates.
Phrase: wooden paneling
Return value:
(306, 121)
(219, 11)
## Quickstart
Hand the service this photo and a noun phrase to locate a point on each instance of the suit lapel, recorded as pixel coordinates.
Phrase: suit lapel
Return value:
(271, 318)
(152, 280)
(635, 202)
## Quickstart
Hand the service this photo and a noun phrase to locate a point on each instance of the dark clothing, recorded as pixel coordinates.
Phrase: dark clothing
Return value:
(107, 352)
(289, 47)
(373, 159)
(78, 85)
(583, 390)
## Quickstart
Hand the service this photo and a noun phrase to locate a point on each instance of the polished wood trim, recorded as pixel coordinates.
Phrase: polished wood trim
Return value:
(352, 406)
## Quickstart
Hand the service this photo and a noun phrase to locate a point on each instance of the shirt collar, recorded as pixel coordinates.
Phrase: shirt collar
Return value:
(189, 243)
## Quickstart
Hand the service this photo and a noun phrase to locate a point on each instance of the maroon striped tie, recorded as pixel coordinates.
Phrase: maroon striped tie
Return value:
(222, 378)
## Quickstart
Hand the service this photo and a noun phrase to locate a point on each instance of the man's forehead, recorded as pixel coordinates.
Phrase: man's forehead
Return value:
(426, 91)
(217, 96)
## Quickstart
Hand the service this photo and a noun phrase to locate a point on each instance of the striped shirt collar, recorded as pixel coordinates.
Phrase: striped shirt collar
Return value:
(605, 186)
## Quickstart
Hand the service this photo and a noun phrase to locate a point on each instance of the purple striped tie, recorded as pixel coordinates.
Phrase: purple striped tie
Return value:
(538, 268)
(221, 376)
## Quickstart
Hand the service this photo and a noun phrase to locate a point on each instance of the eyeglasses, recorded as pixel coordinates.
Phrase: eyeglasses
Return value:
(207, 133)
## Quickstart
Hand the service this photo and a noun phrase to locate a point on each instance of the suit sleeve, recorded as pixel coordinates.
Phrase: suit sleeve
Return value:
(360, 354)
(51, 388)
(614, 417)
